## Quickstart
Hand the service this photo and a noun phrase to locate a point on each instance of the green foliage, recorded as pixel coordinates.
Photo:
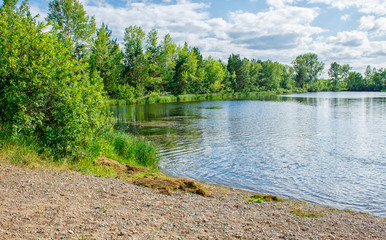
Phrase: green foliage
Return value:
(46, 92)
(106, 59)
(374, 80)
(136, 69)
(260, 198)
(338, 73)
(128, 149)
(72, 23)
(307, 68)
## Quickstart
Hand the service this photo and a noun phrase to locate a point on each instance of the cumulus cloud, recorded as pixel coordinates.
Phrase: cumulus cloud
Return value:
(364, 6)
(279, 32)
(273, 29)
(375, 26)
(351, 47)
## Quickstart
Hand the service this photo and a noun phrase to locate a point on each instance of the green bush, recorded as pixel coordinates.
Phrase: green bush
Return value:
(45, 92)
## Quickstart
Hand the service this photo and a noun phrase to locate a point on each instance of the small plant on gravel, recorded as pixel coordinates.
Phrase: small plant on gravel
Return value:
(260, 198)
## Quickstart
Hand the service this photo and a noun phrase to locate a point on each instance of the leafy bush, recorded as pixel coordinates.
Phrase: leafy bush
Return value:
(44, 90)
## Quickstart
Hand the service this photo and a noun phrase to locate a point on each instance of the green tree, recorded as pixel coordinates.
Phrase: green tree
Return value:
(106, 59)
(379, 80)
(214, 75)
(45, 92)
(355, 82)
(136, 66)
(335, 73)
(156, 61)
(272, 74)
(307, 68)
(72, 23)
(240, 69)
(288, 79)
(168, 60)
(185, 71)
(256, 75)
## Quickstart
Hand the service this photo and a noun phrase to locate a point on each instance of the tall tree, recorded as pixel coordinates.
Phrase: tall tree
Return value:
(272, 74)
(335, 73)
(185, 71)
(169, 57)
(307, 68)
(106, 59)
(355, 82)
(72, 22)
(136, 66)
(155, 61)
(214, 75)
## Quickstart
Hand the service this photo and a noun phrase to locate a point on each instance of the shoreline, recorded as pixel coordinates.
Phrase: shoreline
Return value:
(44, 204)
(168, 98)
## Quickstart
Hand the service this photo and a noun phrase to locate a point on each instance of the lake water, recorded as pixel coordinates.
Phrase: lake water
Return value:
(325, 148)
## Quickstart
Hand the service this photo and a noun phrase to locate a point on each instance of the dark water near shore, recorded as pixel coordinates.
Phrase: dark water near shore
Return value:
(326, 148)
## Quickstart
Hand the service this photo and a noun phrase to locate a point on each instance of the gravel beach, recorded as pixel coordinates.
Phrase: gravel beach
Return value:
(54, 204)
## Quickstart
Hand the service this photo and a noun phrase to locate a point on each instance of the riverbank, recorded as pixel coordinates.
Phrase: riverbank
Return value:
(54, 204)
(167, 98)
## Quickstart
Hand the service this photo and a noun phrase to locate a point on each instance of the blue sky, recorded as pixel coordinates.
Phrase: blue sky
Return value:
(346, 31)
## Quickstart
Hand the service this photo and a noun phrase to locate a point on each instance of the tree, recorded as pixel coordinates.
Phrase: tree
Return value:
(136, 66)
(379, 79)
(72, 23)
(288, 81)
(241, 70)
(169, 58)
(214, 75)
(185, 71)
(255, 74)
(307, 68)
(106, 59)
(46, 94)
(355, 82)
(335, 73)
(272, 74)
(155, 61)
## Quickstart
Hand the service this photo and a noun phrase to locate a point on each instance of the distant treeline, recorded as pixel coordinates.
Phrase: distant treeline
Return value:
(55, 75)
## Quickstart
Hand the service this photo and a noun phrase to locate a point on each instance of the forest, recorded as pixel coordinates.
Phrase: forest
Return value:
(56, 75)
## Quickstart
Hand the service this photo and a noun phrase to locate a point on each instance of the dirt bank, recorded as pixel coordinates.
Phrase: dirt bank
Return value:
(40, 204)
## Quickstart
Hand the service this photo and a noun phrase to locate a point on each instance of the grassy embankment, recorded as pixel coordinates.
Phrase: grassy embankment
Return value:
(125, 149)
(166, 98)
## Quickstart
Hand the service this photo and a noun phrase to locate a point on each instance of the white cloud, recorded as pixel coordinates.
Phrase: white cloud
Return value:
(345, 17)
(375, 26)
(280, 32)
(351, 47)
(365, 6)
(274, 29)
(280, 3)
(264, 34)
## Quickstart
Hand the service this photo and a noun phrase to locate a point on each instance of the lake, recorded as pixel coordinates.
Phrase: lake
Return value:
(326, 148)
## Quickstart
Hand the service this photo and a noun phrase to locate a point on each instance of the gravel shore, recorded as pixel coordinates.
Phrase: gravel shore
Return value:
(42, 204)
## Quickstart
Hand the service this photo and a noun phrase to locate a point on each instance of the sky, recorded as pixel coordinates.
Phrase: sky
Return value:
(345, 31)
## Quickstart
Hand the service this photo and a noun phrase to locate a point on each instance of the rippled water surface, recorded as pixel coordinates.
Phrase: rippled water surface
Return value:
(326, 148)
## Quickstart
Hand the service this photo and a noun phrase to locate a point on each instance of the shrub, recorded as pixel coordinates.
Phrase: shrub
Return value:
(44, 90)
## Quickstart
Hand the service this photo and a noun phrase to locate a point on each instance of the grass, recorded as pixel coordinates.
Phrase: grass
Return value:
(25, 151)
(157, 98)
(260, 198)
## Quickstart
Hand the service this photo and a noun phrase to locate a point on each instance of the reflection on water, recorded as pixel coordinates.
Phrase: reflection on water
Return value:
(327, 148)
